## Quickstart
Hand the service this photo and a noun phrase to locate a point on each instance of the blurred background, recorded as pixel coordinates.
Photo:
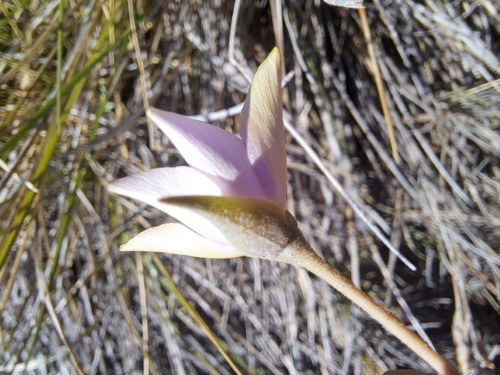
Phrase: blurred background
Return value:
(400, 101)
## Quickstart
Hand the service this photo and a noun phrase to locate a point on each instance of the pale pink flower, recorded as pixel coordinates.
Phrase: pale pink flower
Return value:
(230, 201)
(221, 164)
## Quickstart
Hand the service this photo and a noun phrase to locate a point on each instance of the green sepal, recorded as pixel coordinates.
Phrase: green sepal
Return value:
(255, 227)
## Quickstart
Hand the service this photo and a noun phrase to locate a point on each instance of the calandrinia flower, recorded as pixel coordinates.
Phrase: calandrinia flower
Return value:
(230, 201)
(250, 168)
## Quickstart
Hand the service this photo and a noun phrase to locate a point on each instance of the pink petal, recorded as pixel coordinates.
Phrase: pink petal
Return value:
(160, 183)
(262, 131)
(175, 238)
(211, 150)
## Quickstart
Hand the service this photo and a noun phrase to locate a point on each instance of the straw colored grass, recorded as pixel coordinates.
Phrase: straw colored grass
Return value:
(401, 104)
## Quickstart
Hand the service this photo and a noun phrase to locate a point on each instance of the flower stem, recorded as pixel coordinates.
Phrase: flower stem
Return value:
(299, 253)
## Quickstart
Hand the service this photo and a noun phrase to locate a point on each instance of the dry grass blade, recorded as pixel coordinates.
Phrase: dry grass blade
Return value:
(439, 66)
(365, 26)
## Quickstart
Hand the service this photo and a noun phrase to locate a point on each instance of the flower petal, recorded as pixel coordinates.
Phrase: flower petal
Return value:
(153, 186)
(261, 124)
(211, 150)
(159, 183)
(175, 238)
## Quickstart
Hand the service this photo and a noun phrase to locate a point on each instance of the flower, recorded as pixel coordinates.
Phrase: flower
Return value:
(230, 180)
(230, 201)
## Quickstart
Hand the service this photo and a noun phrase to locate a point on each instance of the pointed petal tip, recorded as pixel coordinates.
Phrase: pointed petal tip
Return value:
(154, 113)
(275, 55)
(111, 187)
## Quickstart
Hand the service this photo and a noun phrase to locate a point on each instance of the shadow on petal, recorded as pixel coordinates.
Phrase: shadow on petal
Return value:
(262, 131)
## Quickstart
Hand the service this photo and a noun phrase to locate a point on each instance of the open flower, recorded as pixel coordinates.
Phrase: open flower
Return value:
(251, 169)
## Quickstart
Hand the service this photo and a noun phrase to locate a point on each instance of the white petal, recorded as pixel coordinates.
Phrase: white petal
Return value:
(261, 124)
(177, 239)
(160, 183)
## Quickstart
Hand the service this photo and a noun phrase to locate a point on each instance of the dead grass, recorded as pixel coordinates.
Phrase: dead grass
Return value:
(72, 119)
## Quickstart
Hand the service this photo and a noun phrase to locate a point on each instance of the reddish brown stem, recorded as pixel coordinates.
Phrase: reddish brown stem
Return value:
(299, 253)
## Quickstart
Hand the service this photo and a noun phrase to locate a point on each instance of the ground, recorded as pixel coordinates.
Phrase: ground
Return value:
(401, 102)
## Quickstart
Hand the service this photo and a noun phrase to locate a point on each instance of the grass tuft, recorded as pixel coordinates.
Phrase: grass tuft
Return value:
(75, 78)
